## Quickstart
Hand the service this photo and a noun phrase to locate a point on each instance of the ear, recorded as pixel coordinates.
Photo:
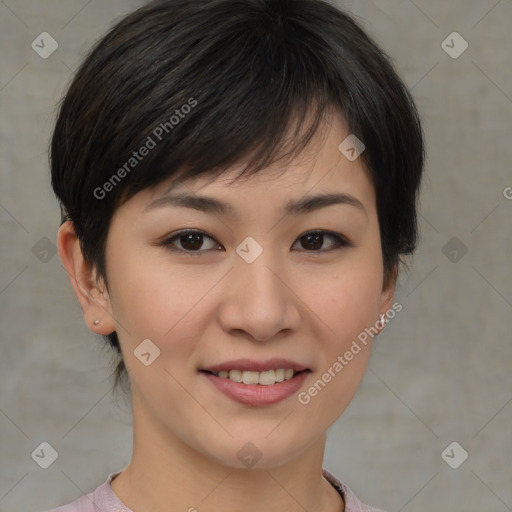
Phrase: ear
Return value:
(387, 296)
(94, 304)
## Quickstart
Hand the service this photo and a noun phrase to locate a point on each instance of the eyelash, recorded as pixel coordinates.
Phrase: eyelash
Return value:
(341, 242)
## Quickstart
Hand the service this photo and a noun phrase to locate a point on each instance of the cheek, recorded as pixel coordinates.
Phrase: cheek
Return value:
(348, 307)
(163, 303)
(150, 296)
(347, 301)
(349, 298)
(329, 394)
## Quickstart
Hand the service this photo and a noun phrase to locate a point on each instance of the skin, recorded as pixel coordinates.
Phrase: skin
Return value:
(292, 302)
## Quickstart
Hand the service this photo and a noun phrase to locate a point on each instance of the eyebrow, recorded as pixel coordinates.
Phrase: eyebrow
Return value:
(210, 205)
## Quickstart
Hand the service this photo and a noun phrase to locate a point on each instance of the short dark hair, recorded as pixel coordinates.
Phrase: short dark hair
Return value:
(222, 82)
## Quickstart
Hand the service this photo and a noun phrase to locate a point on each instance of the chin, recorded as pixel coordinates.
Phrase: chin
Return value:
(258, 451)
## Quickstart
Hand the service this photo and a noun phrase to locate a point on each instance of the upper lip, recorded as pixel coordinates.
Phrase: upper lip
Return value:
(250, 365)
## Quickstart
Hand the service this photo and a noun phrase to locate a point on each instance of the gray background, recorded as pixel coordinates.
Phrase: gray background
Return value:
(439, 373)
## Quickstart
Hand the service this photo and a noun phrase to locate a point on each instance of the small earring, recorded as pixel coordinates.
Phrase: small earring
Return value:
(96, 322)
(383, 320)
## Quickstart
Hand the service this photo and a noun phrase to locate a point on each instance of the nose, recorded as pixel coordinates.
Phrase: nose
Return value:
(258, 299)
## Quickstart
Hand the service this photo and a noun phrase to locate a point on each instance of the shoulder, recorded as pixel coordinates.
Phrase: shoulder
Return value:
(96, 501)
(82, 504)
(352, 502)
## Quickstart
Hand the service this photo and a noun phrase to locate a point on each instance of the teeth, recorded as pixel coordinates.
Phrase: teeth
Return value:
(280, 375)
(250, 377)
(266, 378)
(235, 375)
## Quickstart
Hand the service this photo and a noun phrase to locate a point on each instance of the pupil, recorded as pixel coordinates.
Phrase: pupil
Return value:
(190, 237)
(316, 237)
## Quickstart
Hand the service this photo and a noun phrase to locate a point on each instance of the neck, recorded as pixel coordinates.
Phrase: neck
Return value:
(164, 471)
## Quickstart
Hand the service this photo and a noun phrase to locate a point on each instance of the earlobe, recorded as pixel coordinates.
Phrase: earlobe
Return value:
(92, 297)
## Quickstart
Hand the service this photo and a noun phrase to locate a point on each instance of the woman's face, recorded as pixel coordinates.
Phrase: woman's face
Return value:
(251, 285)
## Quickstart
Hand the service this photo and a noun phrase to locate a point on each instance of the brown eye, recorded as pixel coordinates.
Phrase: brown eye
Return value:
(190, 241)
(314, 241)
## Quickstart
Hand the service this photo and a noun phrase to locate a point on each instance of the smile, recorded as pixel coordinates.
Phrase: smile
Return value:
(265, 378)
(249, 392)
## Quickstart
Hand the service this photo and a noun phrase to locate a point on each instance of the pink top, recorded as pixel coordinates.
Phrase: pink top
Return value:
(103, 499)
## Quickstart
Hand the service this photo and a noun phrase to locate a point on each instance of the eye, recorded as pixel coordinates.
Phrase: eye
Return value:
(314, 241)
(192, 240)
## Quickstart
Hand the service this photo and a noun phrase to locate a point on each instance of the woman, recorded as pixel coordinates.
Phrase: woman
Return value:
(238, 181)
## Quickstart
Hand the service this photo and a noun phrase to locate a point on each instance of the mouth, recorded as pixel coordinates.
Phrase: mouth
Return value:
(263, 378)
(256, 388)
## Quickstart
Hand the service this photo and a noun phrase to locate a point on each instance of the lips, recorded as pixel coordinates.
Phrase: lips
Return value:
(257, 383)
(257, 395)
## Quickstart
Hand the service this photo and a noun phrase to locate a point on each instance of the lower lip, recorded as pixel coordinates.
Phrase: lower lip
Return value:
(257, 394)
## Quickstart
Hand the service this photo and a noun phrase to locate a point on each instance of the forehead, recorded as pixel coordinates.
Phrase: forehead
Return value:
(321, 168)
(323, 163)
